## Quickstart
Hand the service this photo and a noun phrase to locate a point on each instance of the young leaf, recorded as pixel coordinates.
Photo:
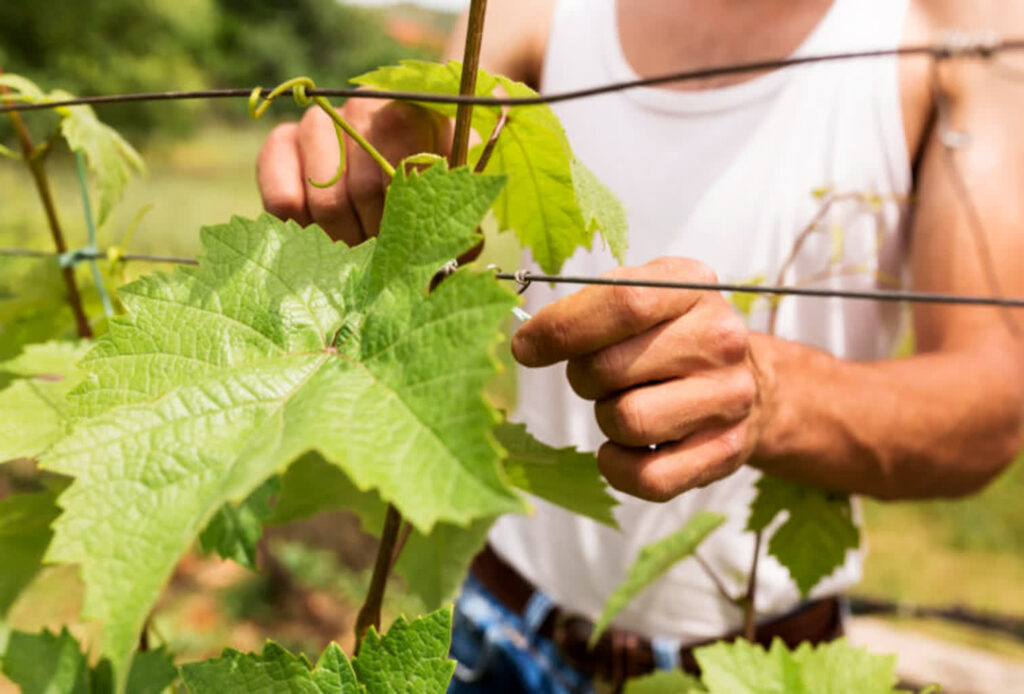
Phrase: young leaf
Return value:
(24, 535)
(664, 682)
(654, 560)
(33, 407)
(812, 542)
(834, 668)
(274, 670)
(601, 210)
(562, 476)
(433, 565)
(412, 658)
(552, 202)
(236, 528)
(279, 342)
(434, 78)
(109, 156)
(46, 662)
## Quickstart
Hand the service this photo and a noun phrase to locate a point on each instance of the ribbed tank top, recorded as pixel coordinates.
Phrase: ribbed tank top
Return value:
(730, 176)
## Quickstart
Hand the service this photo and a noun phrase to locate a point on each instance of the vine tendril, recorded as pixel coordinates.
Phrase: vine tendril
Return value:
(298, 87)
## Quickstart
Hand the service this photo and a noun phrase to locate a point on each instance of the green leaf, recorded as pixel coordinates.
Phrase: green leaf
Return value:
(411, 658)
(282, 341)
(813, 540)
(664, 682)
(539, 203)
(434, 78)
(834, 668)
(552, 202)
(152, 672)
(274, 670)
(24, 535)
(562, 476)
(236, 528)
(654, 560)
(601, 210)
(433, 565)
(110, 158)
(744, 301)
(34, 407)
(46, 663)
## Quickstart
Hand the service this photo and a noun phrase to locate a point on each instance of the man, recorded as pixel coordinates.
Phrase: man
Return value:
(802, 176)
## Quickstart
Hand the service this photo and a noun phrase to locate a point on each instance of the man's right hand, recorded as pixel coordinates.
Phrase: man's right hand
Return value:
(351, 209)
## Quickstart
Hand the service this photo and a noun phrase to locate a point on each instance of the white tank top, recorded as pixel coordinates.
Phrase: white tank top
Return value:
(727, 176)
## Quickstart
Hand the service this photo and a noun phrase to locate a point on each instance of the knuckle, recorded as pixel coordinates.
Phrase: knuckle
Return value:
(630, 418)
(732, 443)
(635, 302)
(745, 392)
(727, 338)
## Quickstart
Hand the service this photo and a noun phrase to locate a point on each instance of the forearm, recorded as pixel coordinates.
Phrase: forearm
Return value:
(937, 424)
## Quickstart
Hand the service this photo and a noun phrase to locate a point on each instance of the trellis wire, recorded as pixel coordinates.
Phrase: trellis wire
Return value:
(524, 278)
(956, 45)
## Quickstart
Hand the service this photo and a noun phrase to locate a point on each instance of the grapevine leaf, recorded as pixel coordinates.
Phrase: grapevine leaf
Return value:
(654, 560)
(236, 528)
(744, 668)
(744, 301)
(411, 657)
(33, 407)
(282, 341)
(552, 201)
(109, 156)
(812, 542)
(601, 210)
(152, 672)
(562, 476)
(539, 203)
(274, 670)
(24, 535)
(44, 663)
(434, 78)
(664, 682)
(432, 565)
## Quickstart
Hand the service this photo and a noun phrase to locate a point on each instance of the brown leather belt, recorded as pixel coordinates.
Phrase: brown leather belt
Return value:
(621, 654)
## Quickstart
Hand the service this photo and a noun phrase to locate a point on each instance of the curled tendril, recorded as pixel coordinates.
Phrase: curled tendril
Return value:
(298, 87)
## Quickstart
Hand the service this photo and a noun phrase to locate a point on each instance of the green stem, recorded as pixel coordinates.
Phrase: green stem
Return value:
(467, 87)
(384, 164)
(369, 613)
(38, 170)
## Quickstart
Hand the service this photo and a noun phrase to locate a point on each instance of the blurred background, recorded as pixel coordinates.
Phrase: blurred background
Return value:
(200, 158)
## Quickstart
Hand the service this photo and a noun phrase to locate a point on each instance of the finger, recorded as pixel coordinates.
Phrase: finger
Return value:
(663, 474)
(279, 175)
(328, 207)
(396, 130)
(706, 337)
(598, 316)
(673, 410)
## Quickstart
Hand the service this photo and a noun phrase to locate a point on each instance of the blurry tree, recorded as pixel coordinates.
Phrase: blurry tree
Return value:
(107, 46)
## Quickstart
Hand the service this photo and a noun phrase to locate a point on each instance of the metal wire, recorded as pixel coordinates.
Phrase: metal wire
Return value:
(523, 278)
(983, 46)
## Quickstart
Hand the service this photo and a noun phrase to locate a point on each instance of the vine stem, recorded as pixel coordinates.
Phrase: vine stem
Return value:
(356, 136)
(467, 87)
(749, 600)
(369, 613)
(35, 163)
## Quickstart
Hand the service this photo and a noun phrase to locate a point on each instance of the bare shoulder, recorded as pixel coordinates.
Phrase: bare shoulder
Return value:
(515, 38)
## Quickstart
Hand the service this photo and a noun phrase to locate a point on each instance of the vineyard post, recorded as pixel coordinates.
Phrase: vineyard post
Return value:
(34, 159)
(392, 536)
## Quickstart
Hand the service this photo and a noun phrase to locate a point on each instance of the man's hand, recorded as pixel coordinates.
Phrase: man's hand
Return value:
(351, 209)
(666, 368)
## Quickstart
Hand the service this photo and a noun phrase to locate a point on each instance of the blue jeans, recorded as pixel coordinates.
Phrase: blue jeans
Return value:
(499, 652)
